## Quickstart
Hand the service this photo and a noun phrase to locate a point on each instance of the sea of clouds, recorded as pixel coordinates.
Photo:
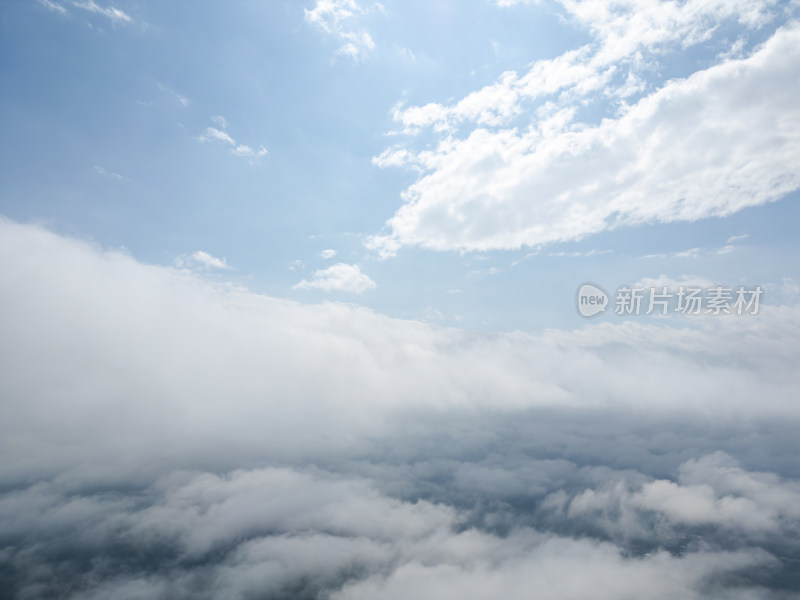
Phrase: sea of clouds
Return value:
(164, 436)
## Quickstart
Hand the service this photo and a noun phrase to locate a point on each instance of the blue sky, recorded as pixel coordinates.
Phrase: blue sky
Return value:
(258, 133)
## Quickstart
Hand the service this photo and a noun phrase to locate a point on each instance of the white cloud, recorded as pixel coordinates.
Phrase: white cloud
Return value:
(356, 44)
(674, 283)
(200, 259)
(328, 254)
(621, 30)
(558, 179)
(581, 254)
(716, 490)
(220, 134)
(340, 277)
(326, 450)
(392, 157)
(405, 54)
(212, 133)
(337, 18)
(555, 568)
(178, 98)
(115, 15)
(109, 174)
(488, 271)
(61, 292)
(689, 253)
(711, 490)
(54, 6)
(247, 151)
(278, 526)
(785, 292)
(330, 14)
(737, 238)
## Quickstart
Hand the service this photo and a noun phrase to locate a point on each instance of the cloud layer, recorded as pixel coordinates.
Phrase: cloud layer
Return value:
(164, 436)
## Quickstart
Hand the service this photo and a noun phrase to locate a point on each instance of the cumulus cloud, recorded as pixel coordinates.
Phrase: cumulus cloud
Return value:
(328, 253)
(165, 436)
(514, 152)
(710, 491)
(340, 277)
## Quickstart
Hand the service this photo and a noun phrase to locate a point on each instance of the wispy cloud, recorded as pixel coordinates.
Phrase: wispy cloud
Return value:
(737, 238)
(785, 292)
(220, 134)
(248, 152)
(339, 18)
(328, 253)
(690, 253)
(200, 259)
(110, 174)
(674, 283)
(115, 15)
(580, 254)
(175, 96)
(54, 6)
(340, 277)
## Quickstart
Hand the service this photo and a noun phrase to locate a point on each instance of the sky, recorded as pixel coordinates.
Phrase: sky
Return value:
(291, 299)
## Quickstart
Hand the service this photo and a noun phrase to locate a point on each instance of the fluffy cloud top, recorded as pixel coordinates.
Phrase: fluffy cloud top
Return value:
(513, 167)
